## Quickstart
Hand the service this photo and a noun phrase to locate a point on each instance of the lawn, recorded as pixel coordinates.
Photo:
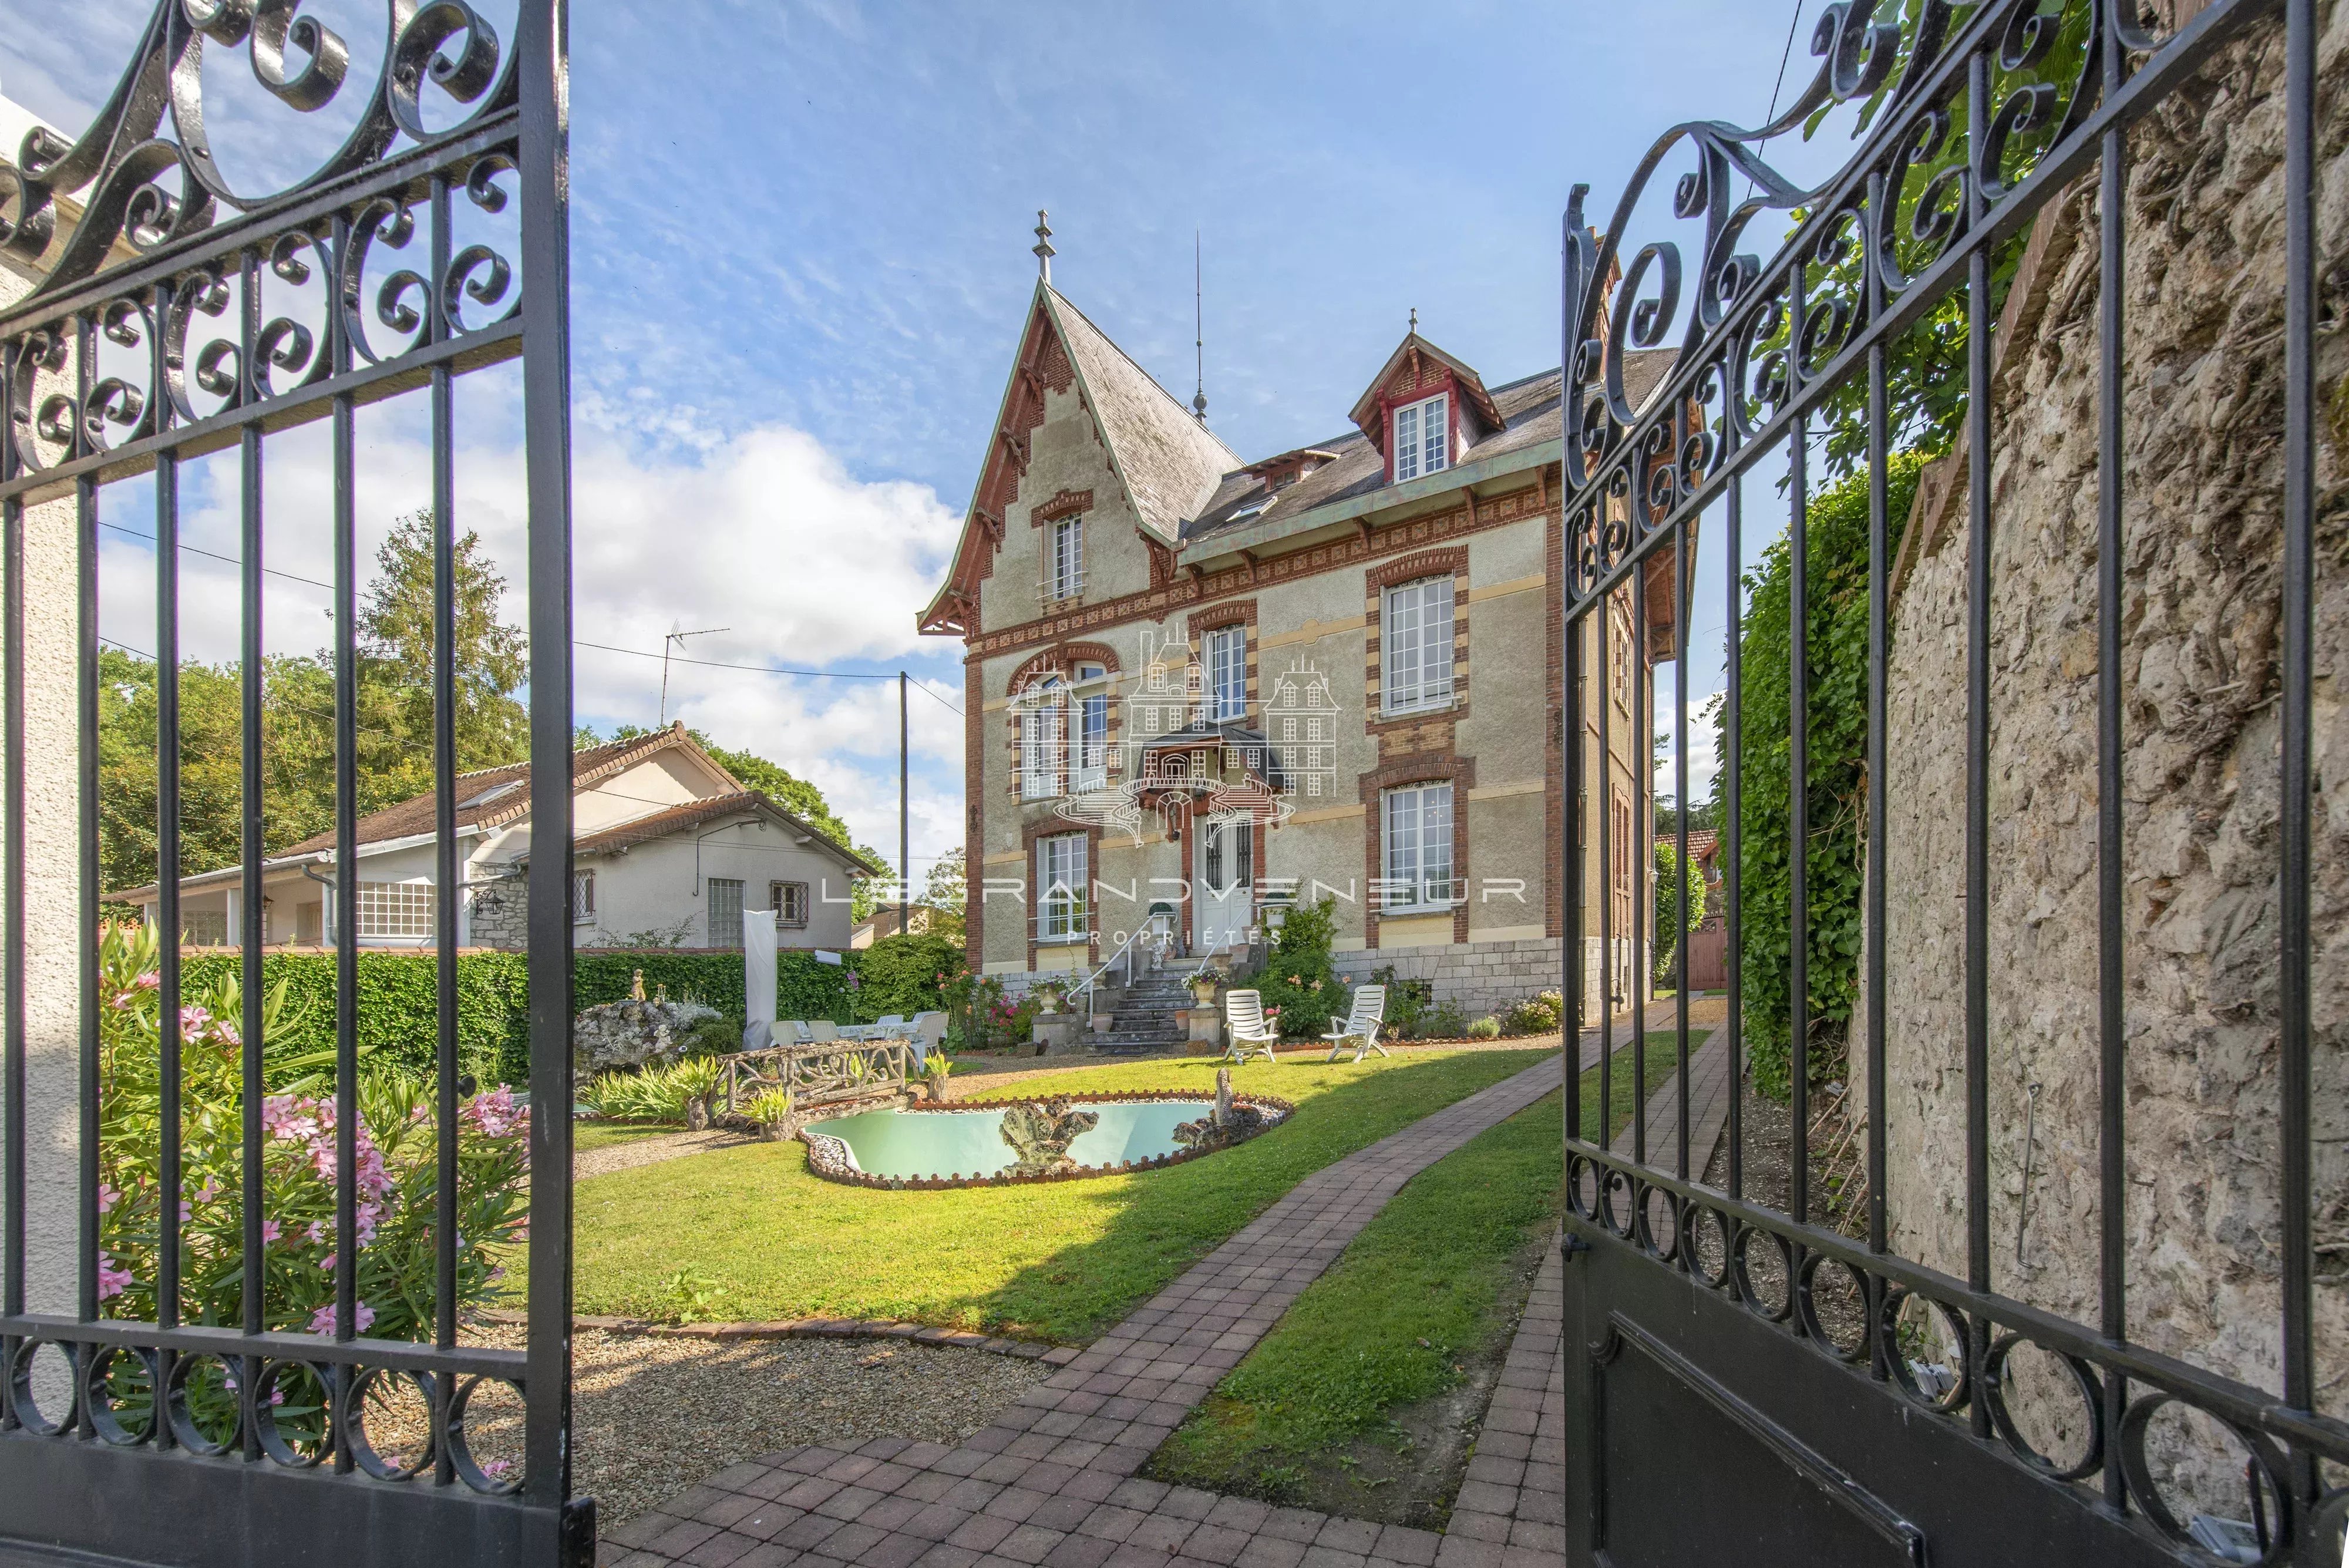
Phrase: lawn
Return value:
(753, 1236)
(587, 1135)
(1429, 1289)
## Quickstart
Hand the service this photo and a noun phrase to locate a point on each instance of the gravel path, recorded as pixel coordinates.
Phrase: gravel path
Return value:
(650, 1151)
(651, 1417)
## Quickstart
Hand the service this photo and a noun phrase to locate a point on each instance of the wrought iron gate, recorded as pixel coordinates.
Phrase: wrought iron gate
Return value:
(152, 334)
(1713, 1414)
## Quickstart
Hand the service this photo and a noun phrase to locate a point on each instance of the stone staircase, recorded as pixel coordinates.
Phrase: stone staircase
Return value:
(1149, 1017)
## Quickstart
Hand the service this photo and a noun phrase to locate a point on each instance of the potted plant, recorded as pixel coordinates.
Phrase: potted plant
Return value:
(1049, 997)
(771, 1111)
(699, 1077)
(1203, 986)
(934, 1075)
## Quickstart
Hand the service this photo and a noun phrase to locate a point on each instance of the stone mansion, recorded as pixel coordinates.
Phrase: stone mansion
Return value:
(1198, 686)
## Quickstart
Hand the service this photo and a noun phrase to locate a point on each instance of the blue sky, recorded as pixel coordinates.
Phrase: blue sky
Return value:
(799, 247)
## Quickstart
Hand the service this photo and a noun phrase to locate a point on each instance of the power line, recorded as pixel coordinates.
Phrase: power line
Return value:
(767, 668)
(214, 554)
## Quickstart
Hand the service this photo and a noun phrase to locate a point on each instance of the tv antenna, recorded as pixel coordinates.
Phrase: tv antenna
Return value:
(1198, 334)
(670, 644)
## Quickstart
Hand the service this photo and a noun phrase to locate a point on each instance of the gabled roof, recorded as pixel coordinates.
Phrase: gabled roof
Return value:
(492, 797)
(715, 808)
(1171, 462)
(1412, 347)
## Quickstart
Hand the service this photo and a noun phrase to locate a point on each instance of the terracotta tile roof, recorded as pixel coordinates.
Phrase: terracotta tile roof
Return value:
(717, 808)
(492, 797)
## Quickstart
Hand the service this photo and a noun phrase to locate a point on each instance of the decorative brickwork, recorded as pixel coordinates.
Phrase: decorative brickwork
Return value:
(1232, 612)
(974, 805)
(1066, 503)
(1394, 574)
(1430, 767)
(1044, 824)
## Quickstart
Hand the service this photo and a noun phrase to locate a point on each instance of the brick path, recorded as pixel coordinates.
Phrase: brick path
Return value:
(1053, 1481)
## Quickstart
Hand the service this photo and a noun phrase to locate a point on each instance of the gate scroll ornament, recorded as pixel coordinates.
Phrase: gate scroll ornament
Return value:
(1973, 118)
(178, 314)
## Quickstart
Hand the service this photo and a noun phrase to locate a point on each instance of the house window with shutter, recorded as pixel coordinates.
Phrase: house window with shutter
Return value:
(789, 902)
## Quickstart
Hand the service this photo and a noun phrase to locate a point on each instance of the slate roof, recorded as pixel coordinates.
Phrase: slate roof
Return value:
(1529, 415)
(1171, 462)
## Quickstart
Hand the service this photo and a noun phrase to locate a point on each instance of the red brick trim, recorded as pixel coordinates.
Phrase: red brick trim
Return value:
(1230, 612)
(1553, 780)
(1065, 504)
(1394, 574)
(1059, 661)
(1198, 587)
(974, 811)
(1430, 767)
(1048, 826)
(1420, 379)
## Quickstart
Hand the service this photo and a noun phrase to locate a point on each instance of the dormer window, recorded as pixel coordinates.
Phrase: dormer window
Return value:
(1422, 438)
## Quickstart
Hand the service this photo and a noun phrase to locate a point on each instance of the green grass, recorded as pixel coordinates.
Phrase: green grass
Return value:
(1061, 1260)
(1437, 1278)
(585, 1136)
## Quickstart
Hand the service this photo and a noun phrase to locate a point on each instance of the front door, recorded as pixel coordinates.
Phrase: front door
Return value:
(1224, 905)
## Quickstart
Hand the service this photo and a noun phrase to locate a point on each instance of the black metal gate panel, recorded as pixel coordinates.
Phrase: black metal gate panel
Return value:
(1714, 1411)
(172, 314)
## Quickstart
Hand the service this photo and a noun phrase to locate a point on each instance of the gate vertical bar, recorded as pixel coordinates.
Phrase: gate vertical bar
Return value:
(2298, 682)
(1683, 547)
(166, 903)
(1799, 799)
(543, 39)
(345, 890)
(14, 1078)
(255, 931)
(1872, 919)
(1977, 921)
(447, 874)
(1733, 802)
(85, 850)
(1604, 808)
(2111, 1081)
(1640, 864)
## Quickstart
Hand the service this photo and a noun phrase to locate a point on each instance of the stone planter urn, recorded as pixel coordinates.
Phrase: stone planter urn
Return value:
(1203, 989)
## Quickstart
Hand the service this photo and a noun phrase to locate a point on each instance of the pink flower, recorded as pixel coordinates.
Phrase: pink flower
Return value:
(208, 1191)
(493, 1113)
(147, 981)
(326, 1320)
(193, 1019)
(111, 1280)
(316, 1232)
(185, 1212)
(269, 1232)
(107, 1197)
(327, 1262)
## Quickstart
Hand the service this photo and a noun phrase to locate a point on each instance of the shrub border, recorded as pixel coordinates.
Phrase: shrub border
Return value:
(828, 1157)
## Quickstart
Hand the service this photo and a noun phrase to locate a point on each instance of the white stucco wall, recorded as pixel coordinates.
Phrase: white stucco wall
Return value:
(656, 886)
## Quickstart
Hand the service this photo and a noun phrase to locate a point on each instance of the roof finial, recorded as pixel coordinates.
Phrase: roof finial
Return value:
(1415, 318)
(1044, 247)
(1200, 334)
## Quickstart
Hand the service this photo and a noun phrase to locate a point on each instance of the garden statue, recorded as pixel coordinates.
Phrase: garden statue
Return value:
(1225, 1123)
(1039, 1133)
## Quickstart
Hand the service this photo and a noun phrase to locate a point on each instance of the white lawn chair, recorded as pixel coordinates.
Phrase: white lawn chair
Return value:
(1362, 1025)
(891, 1024)
(789, 1031)
(929, 1030)
(1243, 1021)
(821, 1030)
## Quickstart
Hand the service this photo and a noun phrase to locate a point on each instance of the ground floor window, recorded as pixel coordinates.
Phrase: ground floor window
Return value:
(1417, 872)
(1062, 877)
(789, 902)
(725, 912)
(583, 895)
(396, 911)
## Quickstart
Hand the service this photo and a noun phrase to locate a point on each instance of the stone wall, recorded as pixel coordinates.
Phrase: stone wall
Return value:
(1482, 977)
(2203, 410)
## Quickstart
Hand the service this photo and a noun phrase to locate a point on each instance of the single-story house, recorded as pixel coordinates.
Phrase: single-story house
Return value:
(668, 850)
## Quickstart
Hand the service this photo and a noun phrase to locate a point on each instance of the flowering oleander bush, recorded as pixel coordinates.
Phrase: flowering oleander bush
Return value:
(395, 1168)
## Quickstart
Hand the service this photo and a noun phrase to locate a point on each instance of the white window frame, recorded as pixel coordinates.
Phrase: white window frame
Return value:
(789, 902)
(1064, 558)
(1423, 437)
(1043, 739)
(1089, 709)
(1417, 627)
(582, 898)
(1223, 653)
(1417, 874)
(1062, 880)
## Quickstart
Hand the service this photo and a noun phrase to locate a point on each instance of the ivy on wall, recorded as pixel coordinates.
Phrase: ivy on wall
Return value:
(1836, 624)
(398, 1017)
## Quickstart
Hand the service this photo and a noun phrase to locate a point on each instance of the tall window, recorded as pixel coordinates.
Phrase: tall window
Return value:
(1418, 861)
(583, 896)
(1061, 878)
(1422, 438)
(1064, 559)
(725, 911)
(1092, 770)
(1415, 646)
(1619, 647)
(1043, 739)
(396, 911)
(1226, 655)
(1622, 849)
(789, 902)
(1231, 857)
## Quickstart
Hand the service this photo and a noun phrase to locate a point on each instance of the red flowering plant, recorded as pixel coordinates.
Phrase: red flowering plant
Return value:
(394, 1171)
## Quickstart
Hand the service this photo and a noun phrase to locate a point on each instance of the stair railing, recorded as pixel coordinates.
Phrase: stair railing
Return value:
(1125, 950)
(1205, 957)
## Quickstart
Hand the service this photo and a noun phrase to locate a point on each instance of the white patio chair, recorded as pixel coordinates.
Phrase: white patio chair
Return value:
(892, 1024)
(789, 1031)
(1243, 1021)
(1362, 1025)
(929, 1031)
(820, 1030)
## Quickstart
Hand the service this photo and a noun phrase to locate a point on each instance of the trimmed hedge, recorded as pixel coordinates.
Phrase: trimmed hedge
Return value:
(399, 994)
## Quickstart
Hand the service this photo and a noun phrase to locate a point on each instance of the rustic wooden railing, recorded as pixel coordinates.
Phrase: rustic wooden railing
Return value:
(830, 1073)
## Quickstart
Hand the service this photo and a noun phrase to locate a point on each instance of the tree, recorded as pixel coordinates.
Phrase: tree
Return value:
(1670, 927)
(395, 637)
(943, 894)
